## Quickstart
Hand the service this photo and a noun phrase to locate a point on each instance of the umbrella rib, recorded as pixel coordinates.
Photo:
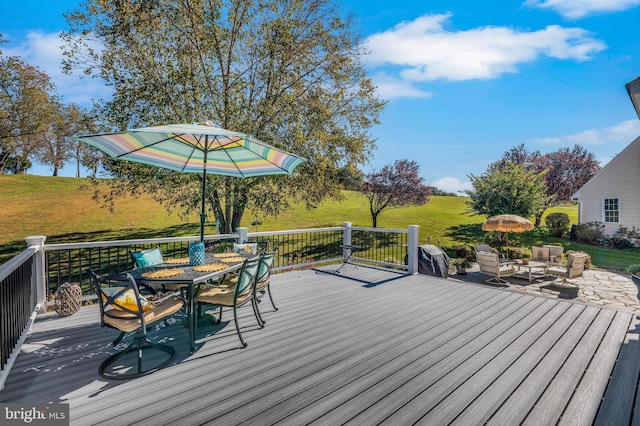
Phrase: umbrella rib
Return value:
(194, 149)
(177, 137)
(264, 158)
(226, 151)
(142, 147)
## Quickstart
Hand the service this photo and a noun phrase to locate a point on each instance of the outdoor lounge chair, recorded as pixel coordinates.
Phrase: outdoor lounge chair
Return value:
(541, 254)
(233, 293)
(573, 269)
(555, 254)
(487, 249)
(490, 265)
(123, 308)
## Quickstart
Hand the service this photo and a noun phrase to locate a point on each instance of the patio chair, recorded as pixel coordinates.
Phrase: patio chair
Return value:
(263, 281)
(555, 254)
(233, 293)
(540, 254)
(487, 249)
(573, 269)
(490, 265)
(123, 308)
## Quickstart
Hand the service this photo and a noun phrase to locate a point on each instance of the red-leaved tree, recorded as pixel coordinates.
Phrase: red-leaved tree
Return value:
(567, 170)
(394, 186)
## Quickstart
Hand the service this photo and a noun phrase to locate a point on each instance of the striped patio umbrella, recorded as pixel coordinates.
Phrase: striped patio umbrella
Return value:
(196, 148)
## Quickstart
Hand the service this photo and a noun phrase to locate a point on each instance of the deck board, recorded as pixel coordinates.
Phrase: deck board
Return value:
(586, 399)
(520, 351)
(366, 346)
(518, 394)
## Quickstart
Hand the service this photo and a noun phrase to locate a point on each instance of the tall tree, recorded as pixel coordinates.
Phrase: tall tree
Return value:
(27, 106)
(507, 190)
(395, 185)
(567, 170)
(287, 72)
(58, 146)
(351, 177)
(519, 154)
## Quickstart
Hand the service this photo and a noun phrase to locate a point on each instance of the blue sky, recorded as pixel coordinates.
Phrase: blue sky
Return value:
(465, 80)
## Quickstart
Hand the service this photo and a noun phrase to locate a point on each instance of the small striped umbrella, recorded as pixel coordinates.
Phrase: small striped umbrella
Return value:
(196, 148)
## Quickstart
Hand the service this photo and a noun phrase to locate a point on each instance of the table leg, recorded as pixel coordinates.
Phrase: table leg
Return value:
(191, 317)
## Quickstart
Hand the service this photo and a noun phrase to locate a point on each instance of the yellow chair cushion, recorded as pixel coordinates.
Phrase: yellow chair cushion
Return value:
(221, 295)
(127, 300)
(262, 284)
(128, 322)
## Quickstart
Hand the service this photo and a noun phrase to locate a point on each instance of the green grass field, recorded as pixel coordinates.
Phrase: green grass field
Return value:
(64, 211)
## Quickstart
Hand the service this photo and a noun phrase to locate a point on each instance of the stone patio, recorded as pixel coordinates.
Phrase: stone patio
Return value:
(596, 287)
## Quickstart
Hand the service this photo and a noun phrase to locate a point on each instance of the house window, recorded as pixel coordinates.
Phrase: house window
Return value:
(611, 210)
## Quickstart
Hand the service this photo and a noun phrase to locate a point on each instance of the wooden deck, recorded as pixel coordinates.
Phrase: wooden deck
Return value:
(363, 348)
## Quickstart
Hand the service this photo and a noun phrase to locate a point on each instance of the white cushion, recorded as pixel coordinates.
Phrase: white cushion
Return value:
(248, 248)
(540, 253)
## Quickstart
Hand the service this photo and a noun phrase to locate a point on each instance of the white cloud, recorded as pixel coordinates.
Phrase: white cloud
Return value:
(575, 9)
(389, 87)
(44, 51)
(624, 132)
(451, 184)
(425, 51)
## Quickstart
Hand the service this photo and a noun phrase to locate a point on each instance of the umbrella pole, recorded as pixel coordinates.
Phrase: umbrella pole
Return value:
(203, 215)
(506, 255)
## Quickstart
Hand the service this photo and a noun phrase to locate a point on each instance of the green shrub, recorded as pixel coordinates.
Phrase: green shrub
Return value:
(516, 253)
(558, 224)
(625, 239)
(464, 251)
(589, 233)
(633, 269)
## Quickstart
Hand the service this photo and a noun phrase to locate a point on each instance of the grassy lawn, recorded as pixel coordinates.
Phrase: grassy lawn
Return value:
(64, 211)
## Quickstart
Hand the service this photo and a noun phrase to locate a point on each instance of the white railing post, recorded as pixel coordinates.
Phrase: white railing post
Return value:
(346, 235)
(38, 280)
(242, 235)
(412, 249)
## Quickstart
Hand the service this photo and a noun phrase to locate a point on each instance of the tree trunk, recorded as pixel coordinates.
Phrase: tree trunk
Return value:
(374, 220)
(538, 219)
(236, 221)
(55, 170)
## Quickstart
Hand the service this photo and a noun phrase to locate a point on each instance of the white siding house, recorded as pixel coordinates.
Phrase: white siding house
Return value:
(612, 196)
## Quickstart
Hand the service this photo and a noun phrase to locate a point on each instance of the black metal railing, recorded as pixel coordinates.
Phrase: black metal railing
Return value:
(16, 306)
(308, 247)
(73, 264)
(296, 249)
(382, 247)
